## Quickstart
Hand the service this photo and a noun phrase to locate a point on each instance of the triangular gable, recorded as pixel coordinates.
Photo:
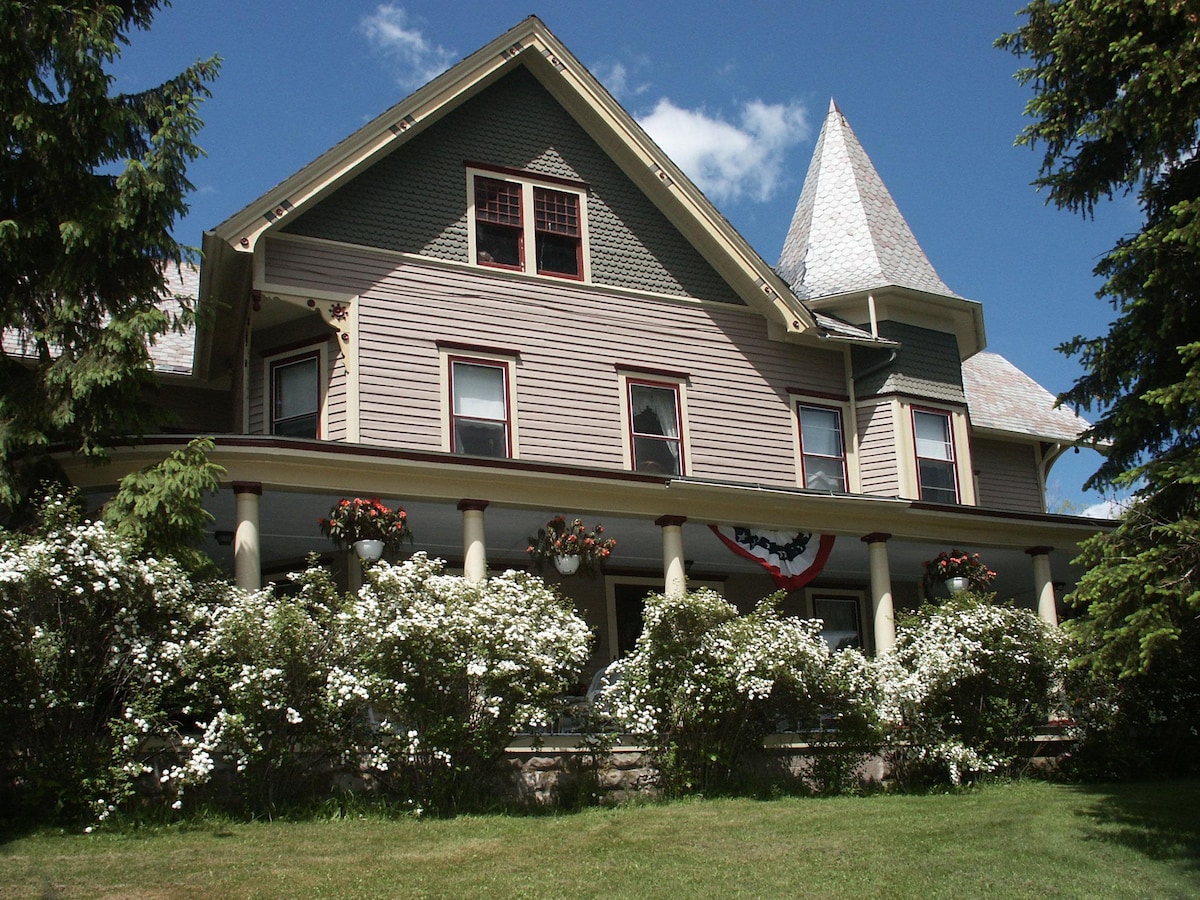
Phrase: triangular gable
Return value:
(531, 44)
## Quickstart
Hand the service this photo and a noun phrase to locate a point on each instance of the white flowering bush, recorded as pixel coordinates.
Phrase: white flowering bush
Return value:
(705, 684)
(92, 643)
(269, 668)
(452, 670)
(966, 683)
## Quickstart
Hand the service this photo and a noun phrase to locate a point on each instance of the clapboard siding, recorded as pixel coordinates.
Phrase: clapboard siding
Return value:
(877, 450)
(1007, 474)
(571, 341)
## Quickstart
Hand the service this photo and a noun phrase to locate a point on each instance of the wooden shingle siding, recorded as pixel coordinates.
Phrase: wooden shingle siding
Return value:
(414, 200)
(570, 341)
(877, 449)
(927, 365)
(1007, 474)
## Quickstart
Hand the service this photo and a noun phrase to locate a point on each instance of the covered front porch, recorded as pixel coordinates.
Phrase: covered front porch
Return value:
(477, 515)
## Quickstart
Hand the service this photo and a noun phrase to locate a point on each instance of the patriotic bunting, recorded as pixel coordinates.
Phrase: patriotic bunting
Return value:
(792, 559)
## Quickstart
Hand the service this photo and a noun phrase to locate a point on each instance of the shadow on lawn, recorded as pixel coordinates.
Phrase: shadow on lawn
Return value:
(1157, 819)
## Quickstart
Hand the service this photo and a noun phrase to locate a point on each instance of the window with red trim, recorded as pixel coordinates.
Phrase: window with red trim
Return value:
(822, 448)
(499, 231)
(654, 425)
(933, 435)
(296, 396)
(557, 233)
(511, 215)
(479, 409)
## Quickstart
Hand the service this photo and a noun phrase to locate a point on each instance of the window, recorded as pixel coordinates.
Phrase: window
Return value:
(934, 440)
(841, 626)
(822, 449)
(503, 229)
(296, 395)
(479, 417)
(654, 427)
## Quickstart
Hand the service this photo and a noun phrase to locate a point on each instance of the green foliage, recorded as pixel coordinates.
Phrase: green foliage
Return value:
(91, 644)
(704, 685)
(160, 510)
(966, 682)
(90, 185)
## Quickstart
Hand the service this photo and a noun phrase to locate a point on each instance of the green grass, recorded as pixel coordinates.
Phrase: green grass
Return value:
(1028, 839)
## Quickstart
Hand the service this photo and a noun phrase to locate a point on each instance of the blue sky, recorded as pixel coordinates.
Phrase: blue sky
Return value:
(735, 92)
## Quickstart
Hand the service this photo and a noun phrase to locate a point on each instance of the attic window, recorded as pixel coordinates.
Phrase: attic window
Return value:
(502, 227)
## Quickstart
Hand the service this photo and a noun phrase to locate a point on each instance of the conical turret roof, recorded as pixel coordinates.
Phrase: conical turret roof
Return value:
(847, 233)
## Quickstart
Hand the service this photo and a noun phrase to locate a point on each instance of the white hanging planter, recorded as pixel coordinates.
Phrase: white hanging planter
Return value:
(957, 583)
(368, 550)
(567, 565)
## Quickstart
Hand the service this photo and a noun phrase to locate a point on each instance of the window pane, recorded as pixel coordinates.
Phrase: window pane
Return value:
(821, 431)
(937, 481)
(296, 398)
(558, 255)
(824, 474)
(556, 211)
(479, 391)
(498, 202)
(933, 436)
(656, 455)
(840, 618)
(654, 410)
(497, 245)
(480, 438)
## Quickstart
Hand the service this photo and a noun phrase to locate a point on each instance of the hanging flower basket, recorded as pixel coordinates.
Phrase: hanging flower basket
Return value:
(559, 541)
(359, 519)
(959, 571)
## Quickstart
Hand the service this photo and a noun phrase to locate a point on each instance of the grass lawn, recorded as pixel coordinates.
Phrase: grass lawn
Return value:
(1021, 840)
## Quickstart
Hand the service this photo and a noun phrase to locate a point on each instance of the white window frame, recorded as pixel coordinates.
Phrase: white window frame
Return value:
(627, 377)
(317, 351)
(858, 598)
(450, 354)
(527, 182)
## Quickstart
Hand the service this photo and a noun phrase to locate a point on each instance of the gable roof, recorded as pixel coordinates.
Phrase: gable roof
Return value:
(531, 44)
(847, 234)
(1002, 398)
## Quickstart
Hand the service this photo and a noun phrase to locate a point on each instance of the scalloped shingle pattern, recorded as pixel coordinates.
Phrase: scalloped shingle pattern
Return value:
(847, 234)
(1003, 398)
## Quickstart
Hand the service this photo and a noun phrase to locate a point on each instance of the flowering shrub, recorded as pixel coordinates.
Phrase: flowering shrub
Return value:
(956, 563)
(359, 519)
(966, 682)
(92, 640)
(269, 663)
(560, 539)
(452, 669)
(704, 684)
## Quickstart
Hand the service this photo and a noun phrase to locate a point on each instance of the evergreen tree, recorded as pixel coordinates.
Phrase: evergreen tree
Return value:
(1116, 108)
(90, 185)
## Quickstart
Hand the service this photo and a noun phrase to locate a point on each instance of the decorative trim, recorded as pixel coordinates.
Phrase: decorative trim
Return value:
(460, 347)
(819, 395)
(652, 373)
(248, 487)
(1038, 551)
(876, 537)
(665, 521)
(791, 561)
(477, 505)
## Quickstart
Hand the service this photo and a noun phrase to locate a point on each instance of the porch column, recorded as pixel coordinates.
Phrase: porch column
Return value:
(1043, 584)
(674, 567)
(247, 557)
(474, 540)
(883, 614)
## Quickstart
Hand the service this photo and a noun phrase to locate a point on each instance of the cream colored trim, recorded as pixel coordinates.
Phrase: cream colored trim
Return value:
(624, 376)
(853, 440)
(528, 182)
(510, 365)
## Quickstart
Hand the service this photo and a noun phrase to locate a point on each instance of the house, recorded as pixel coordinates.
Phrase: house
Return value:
(500, 301)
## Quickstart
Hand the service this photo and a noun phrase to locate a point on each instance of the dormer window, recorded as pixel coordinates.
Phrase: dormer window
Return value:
(511, 212)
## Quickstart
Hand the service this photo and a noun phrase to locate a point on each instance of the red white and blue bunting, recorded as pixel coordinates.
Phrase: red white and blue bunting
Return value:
(792, 559)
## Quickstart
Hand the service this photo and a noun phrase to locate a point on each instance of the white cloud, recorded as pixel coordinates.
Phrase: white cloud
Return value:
(730, 161)
(618, 79)
(1110, 508)
(391, 32)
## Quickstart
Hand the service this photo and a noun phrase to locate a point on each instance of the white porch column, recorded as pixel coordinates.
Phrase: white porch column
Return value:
(883, 614)
(474, 540)
(1043, 584)
(247, 556)
(674, 566)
